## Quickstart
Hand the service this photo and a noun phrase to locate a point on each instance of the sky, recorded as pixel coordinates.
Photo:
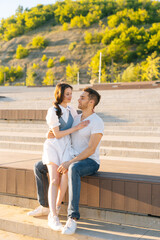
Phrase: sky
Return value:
(8, 7)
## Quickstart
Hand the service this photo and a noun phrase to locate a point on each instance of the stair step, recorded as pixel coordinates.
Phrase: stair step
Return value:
(132, 133)
(130, 159)
(15, 219)
(29, 126)
(129, 124)
(21, 145)
(130, 152)
(4, 235)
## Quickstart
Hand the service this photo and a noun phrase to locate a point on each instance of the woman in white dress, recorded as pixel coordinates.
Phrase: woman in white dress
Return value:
(58, 149)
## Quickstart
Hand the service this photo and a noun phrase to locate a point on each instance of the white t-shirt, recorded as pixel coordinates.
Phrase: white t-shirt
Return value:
(80, 138)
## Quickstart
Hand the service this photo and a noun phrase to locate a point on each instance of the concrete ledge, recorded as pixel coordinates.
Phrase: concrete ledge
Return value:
(22, 114)
(122, 86)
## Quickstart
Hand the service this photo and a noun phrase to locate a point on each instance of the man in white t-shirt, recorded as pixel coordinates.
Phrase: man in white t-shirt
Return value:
(85, 143)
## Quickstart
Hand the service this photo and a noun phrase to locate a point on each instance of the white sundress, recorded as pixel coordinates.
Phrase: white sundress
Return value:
(58, 150)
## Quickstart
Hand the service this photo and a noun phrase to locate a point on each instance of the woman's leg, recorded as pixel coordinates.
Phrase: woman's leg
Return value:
(62, 188)
(53, 187)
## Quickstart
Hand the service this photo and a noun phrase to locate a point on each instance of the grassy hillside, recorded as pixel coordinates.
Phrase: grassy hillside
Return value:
(126, 32)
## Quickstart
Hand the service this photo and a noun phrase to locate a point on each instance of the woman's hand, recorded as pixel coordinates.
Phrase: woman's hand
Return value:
(82, 124)
(50, 134)
(63, 168)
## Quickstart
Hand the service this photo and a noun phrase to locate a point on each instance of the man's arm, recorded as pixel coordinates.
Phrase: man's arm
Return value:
(93, 143)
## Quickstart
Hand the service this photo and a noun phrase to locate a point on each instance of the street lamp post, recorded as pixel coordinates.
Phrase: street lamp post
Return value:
(100, 60)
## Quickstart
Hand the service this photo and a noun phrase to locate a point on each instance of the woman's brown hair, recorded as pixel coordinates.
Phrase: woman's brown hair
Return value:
(59, 96)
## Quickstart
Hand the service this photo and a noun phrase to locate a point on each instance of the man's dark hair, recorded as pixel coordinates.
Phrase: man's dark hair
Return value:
(93, 95)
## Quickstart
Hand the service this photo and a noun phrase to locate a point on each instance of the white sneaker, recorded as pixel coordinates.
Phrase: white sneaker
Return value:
(70, 227)
(54, 223)
(39, 211)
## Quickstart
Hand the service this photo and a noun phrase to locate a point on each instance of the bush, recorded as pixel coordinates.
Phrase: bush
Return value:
(50, 63)
(12, 73)
(44, 58)
(30, 79)
(88, 38)
(71, 73)
(19, 84)
(78, 21)
(116, 49)
(49, 78)
(39, 42)
(65, 26)
(21, 52)
(72, 46)
(35, 66)
(95, 38)
(154, 42)
(62, 59)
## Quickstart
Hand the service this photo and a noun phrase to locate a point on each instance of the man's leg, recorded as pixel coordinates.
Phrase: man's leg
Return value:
(40, 172)
(42, 184)
(75, 172)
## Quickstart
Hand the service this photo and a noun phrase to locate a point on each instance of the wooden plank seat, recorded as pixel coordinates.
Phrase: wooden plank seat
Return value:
(105, 190)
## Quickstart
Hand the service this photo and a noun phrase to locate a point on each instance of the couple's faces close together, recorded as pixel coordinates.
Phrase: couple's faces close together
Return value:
(82, 101)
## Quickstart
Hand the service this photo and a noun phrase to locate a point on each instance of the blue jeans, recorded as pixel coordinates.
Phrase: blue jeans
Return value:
(77, 170)
(40, 171)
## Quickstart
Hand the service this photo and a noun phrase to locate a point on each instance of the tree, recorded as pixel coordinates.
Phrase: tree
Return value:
(150, 68)
(71, 73)
(19, 9)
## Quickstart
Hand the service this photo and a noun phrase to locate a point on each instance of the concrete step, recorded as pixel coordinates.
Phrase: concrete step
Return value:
(108, 131)
(130, 119)
(23, 137)
(132, 133)
(123, 123)
(131, 142)
(130, 152)
(14, 219)
(4, 235)
(132, 128)
(30, 146)
(111, 122)
(107, 141)
(20, 126)
(37, 127)
(35, 143)
(130, 159)
(107, 152)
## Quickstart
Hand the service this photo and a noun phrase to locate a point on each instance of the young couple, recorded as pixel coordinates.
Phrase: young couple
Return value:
(70, 152)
